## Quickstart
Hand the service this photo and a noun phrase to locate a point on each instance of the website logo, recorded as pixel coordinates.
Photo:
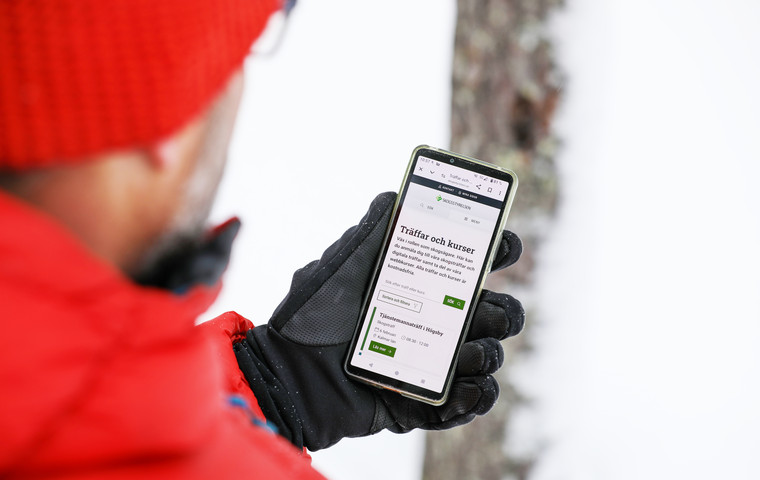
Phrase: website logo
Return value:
(454, 203)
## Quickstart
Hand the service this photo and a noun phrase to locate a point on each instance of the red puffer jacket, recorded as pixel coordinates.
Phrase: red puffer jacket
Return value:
(100, 378)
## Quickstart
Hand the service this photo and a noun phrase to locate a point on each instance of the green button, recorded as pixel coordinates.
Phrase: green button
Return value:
(453, 302)
(381, 348)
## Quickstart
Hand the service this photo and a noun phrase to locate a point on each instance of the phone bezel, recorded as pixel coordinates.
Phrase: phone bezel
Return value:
(472, 164)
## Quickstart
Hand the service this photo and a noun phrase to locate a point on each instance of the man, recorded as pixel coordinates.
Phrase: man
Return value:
(114, 123)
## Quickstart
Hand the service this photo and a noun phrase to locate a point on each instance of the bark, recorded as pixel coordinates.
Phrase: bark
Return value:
(505, 90)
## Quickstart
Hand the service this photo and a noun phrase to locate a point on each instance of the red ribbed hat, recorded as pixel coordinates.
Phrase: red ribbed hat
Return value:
(79, 77)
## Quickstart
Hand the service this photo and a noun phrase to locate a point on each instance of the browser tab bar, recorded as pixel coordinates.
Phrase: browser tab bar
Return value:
(453, 176)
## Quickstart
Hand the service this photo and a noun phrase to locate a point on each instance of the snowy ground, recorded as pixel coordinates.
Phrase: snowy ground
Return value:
(647, 363)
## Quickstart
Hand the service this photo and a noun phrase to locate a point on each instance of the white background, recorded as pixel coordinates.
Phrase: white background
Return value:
(326, 124)
(647, 360)
(648, 363)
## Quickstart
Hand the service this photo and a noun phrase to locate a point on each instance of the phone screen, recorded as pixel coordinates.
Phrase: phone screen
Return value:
(450, 212)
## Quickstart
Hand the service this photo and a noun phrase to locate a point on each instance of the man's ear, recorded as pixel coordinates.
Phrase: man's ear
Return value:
(164, 153)
(171, 151)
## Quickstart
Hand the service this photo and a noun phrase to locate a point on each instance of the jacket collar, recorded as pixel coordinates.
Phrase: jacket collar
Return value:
(67, 319)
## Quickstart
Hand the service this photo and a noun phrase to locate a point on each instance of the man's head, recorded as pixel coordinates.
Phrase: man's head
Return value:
(191, 163)
(134, 206)
(117, 123)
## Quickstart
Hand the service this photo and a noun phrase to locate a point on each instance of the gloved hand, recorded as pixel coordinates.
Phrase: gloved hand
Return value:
(294, 364)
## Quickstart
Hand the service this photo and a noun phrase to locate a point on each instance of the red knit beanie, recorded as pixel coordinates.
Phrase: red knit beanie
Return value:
(78, 77)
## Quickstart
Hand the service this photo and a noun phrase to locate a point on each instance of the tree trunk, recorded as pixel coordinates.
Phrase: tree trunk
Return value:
(505, 89)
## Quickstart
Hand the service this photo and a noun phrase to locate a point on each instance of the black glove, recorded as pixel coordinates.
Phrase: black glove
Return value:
(295, 363)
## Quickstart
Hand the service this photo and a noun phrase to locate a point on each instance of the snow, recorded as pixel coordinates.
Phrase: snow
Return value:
(647, 361)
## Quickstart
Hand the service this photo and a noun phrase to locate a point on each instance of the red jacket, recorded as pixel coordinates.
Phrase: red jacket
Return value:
(101, 378)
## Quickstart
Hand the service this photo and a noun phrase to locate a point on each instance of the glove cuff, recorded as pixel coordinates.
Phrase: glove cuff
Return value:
(272, 396)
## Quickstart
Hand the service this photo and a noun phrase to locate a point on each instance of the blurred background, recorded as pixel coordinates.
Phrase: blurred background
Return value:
(633, 128)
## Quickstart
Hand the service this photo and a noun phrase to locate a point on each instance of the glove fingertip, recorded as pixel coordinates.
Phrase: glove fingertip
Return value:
(516, 315)
(489, 390)
(479, 357)
(384, 200)
(509, 250)
(498, 315)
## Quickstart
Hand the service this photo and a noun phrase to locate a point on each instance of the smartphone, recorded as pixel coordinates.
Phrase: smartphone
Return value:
(447, 221)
